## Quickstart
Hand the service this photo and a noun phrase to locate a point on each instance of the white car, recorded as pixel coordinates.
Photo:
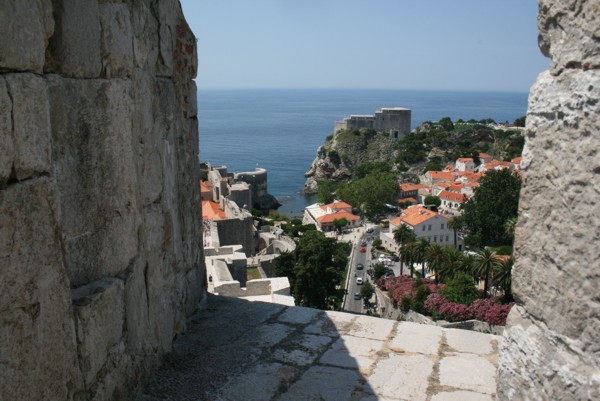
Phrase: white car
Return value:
(359, 280)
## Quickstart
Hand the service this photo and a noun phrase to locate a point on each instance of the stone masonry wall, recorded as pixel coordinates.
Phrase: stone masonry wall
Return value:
(100, 253)
(551, 349)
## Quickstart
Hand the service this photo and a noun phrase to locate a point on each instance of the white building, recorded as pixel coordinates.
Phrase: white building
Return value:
(425, 224)
(465, 164)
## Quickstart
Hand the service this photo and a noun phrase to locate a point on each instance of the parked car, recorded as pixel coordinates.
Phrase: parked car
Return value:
(370, 230)
(359, 280)
(357, 295)
(360, 266)
(362, 249)
(364, 243)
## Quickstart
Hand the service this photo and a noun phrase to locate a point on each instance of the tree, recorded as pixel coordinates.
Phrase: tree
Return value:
(402, 235)
(408, 254)
(509, 227)
(485, 262)
(364, 169)
(320, 265)
(452, 263)
(371, 193)
(455, 223)
(339, 224)
(435, 259)
(325, 192)
(446, 123)
(520, 122)
(420, 253)
(495, 201)
(461, 289)
(378, 270)
(432, 200)
(367, 291)
(503, 277)
(377, 242)
(285, 265)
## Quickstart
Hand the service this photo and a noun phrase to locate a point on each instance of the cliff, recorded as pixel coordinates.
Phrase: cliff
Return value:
(100, 261)
(344, 150)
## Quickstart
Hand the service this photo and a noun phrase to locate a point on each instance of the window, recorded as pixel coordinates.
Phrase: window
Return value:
(446, 238)
(429, 227)
(423, 227)
(442, 226)
(435, 238)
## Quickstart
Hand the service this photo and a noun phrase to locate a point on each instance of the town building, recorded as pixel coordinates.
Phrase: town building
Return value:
(323, 216)
(425, 223)
(465, 164)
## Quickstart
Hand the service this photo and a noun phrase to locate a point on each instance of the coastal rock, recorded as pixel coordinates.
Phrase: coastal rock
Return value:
(6, 140)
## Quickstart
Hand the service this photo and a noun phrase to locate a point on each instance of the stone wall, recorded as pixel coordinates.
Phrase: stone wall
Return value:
(551, 349)
(100, 254)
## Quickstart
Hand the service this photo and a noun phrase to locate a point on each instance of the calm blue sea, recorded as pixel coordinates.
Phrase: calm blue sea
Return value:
(280, 130)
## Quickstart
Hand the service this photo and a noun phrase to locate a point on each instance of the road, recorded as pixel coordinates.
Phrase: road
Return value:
(357, 305)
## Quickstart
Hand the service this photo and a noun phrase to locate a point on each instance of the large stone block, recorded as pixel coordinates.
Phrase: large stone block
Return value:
(117, 40)
(7, 147)
(28, 24)
(145, 35)
(37, 335)
(569, 33)
(95, 171)
(31, 124)
(75, 49)
(99, 319)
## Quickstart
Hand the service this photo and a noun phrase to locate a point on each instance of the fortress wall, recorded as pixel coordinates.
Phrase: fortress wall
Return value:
(237, 231)
(100, 260)
(551, 349)
(258, 180)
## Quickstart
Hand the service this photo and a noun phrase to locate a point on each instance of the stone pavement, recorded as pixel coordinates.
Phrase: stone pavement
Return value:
(239, 350)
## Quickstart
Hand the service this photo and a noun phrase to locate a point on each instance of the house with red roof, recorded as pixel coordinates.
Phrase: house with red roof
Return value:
(452, 201)
(425, 223)
(323, 216)
(465, 164)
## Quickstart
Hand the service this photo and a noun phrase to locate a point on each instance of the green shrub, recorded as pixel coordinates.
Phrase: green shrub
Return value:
(461, 289)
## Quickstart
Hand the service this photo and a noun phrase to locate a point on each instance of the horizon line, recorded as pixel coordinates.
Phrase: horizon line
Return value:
(359, 89)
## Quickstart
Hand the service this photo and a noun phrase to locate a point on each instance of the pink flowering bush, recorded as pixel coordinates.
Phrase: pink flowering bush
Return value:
(486, 310)
(491, 311)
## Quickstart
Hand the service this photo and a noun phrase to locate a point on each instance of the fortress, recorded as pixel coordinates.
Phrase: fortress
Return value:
(102, 269)
(393, 120)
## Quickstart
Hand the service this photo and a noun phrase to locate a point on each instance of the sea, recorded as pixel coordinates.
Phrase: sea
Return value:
(280, 130)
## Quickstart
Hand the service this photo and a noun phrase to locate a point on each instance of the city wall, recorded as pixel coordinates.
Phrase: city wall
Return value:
(100, 260)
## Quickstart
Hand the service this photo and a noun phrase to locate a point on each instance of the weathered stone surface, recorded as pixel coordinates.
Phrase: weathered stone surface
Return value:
(413, 337)
(323, 383)
(551, 348)
(352, 352)
(30, 24)
(117, 40)
(94, 166)
(119, 146)
(260, 383)
(7, 147)
(99, 320)
(37, 335)
(482, 378)
(378, 329)
(402, 377)
(469, 341)
(31, 124)
(461, 396)
(569, 33)
(75, 49)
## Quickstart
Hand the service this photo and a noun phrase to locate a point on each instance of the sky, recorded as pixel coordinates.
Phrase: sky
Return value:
(470, 45)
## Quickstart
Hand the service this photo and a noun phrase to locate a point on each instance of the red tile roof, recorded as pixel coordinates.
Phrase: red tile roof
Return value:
(441, 175)
(452, 196)
(410, 187)
(416, 215)
(342, 214)
(212, 211)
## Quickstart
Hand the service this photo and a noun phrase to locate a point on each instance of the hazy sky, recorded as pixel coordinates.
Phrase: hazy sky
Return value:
(375, 44)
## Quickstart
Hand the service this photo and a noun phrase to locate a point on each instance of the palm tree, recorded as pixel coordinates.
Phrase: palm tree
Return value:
(503, 277)
(421, 253)
(403, 235)
(453, 262)
(435, 260)
(455, 223)
(485, 262)
(409, 252)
